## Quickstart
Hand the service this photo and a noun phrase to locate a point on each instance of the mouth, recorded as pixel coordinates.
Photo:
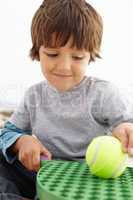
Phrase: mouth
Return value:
(63, 75)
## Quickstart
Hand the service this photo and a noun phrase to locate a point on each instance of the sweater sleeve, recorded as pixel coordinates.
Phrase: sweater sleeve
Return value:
(111, 107)
(21, 118)
(9, 134)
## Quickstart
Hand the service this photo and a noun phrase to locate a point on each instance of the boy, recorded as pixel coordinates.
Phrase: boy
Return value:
(67, 110)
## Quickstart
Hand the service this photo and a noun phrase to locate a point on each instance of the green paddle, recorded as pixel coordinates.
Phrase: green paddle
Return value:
(70, 180)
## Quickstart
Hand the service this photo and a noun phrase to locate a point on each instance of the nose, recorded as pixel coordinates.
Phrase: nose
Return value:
(64, 64)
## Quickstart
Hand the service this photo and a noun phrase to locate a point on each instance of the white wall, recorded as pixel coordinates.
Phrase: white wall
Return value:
(16, 68)
(15, 42)
(117, 63)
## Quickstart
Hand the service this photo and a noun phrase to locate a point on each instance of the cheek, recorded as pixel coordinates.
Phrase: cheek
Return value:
(45, 69)
(45, 66)
(80, 69)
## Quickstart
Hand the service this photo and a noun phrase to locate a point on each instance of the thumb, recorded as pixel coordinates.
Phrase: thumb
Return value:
(130, 145)
(124, 141)
(123, 137)
(45, 152)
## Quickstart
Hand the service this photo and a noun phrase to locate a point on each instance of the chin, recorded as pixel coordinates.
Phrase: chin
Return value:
(63, 89)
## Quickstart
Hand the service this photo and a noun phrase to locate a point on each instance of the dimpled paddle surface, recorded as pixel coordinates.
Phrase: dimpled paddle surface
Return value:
(69, 180)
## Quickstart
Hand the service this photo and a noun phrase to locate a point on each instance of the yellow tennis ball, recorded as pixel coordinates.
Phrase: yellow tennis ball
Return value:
(105, 157)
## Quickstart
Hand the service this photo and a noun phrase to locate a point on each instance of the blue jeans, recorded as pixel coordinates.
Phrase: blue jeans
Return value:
(16, 180)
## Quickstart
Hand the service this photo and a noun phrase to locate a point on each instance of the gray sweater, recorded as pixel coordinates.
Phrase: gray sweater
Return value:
(66, 122)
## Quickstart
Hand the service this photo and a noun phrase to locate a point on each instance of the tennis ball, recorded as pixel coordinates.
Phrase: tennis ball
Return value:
(105, 158)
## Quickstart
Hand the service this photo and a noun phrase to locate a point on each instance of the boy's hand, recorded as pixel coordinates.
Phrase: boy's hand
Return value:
(29, 150)
(124, 132)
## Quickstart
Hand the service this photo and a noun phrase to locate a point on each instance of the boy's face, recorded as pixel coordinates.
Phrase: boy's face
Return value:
(63, 67)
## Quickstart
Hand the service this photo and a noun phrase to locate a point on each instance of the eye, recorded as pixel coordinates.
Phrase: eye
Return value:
(77, 58)
(52, 55)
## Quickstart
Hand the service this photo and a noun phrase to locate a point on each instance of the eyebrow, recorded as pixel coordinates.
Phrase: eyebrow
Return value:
(57, 49)
(51, 48)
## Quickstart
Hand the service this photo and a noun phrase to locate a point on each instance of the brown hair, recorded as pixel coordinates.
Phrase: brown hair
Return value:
(66, 18)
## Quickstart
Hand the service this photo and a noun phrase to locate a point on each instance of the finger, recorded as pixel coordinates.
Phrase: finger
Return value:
(21, 158)
(130, 145)
(45, 152)
(124, 141)
(36, 161)
(25, 159)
